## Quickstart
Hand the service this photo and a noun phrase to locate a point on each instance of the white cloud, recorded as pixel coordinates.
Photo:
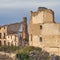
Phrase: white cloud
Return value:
(14, 4)
(9, 7)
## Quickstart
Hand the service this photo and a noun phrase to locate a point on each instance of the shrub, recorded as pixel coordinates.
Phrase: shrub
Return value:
(25, 51)
(8, 48)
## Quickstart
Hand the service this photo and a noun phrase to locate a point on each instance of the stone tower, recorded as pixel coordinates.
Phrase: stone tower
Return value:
(24, 28)
(42, 15)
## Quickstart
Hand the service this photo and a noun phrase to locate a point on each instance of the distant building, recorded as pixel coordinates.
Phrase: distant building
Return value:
(10, 34)
(12, 40)
(6, 38)
(43, 31)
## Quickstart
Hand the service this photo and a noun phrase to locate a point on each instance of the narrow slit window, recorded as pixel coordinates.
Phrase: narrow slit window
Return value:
(31, 37)
(40, 39)
(40, 26)
(0, 35)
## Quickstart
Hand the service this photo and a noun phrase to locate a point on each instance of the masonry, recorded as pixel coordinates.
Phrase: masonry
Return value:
(10, 34)
(43, 31)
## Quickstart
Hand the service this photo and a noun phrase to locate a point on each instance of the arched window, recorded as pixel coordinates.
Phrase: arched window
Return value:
(4, 43)
(12, 43)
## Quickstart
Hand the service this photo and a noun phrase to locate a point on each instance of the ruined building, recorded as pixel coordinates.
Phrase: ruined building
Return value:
(24, 28)
(10, 34)
(43, 31)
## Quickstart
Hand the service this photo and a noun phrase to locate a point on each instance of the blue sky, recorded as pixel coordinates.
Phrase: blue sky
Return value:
(12, 11)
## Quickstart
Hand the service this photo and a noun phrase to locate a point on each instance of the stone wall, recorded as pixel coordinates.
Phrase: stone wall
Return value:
(8, 33)
(12, 39)
(3, 33)
(43, 31)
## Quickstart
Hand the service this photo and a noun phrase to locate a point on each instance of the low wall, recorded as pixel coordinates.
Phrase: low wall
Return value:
(11, 55)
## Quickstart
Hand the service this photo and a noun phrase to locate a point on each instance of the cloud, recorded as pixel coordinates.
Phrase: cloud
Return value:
(17, 4)
(19, 8)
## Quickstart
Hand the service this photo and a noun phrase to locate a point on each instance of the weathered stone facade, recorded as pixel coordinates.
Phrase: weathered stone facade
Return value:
(7, 40)
(43, 31)
(12, 40)
(24, 28)
(10, 34)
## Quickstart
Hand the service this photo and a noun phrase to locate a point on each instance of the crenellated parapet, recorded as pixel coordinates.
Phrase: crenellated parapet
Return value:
(46, 14)
(41, 9)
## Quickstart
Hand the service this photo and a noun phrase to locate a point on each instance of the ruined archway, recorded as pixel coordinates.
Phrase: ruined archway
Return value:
(12, 43)
(4, 43)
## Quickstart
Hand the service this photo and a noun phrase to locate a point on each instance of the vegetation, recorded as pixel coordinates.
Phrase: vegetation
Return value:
(33, 53)
(8, 48)
(27, 52)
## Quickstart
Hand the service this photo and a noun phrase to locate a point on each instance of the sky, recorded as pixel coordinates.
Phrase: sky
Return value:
(12, 11)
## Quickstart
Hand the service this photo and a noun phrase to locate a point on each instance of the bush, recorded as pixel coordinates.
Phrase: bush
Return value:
(25, 51)
(33, 53)
(8, 48)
